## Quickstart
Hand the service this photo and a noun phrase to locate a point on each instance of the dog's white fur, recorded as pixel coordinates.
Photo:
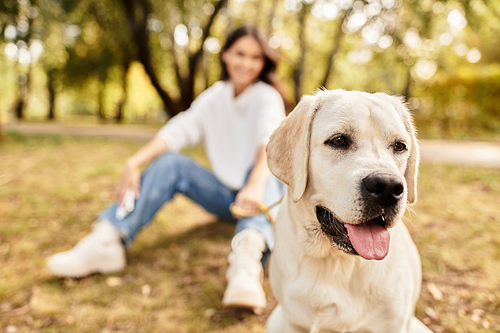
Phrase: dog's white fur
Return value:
(318, 287)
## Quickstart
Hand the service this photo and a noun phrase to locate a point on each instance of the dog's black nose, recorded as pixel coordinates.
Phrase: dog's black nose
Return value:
(383, 189)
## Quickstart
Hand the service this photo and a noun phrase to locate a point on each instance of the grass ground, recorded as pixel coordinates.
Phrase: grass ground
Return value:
(51, 188)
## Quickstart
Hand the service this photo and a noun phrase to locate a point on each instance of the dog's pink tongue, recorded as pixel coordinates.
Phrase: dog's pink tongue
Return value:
(370, 240)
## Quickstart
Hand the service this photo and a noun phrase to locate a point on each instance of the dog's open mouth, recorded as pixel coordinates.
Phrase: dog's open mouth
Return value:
(370, 239)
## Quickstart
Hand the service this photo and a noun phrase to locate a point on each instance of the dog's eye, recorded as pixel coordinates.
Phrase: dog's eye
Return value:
(339, 141)
(399, 146)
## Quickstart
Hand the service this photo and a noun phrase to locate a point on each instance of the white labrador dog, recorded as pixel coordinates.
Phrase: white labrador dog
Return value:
(343, 261)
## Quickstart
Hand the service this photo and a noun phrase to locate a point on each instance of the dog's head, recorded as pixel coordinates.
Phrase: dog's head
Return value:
(353, 158)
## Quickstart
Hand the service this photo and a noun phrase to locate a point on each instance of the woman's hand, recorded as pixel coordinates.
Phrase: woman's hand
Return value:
(249, 198)
(131, 176)
(252, 194)
(131, 179)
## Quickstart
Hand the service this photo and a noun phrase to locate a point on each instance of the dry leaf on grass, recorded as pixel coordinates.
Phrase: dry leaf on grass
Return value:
(476, 315)
(113, 281)
(435, 292)
(431, 313)
(146, 290)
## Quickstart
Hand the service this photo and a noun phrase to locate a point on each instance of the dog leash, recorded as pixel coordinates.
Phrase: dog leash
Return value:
(263, 209)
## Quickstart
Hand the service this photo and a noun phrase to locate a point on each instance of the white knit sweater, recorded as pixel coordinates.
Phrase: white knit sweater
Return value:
(231, 129)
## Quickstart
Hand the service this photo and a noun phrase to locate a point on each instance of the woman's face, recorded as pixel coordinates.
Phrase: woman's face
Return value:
(244, 62)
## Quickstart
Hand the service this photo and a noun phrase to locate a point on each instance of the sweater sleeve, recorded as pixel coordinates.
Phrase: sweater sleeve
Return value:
(271, 113)
(186, 128)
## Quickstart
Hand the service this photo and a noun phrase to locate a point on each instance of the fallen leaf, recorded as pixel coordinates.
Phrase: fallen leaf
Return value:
(476, 315)
(427, 321)
(209, 313)
(11, 329)
(113, 281)
(435, 292)
(22, 310)
(29, 320)
(5, 307)
(146, 290)
(431, 313)
(200, 270)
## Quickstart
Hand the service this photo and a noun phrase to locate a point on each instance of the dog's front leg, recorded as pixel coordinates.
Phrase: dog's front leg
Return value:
(315, 329)
(277, 323)
(416, 326)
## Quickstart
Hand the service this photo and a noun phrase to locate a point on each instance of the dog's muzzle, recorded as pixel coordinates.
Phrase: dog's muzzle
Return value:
(370, 237)
(331, 226)
(382, 195)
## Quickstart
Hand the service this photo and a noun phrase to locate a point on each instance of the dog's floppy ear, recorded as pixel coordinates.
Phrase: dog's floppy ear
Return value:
(288, 148)
(411, 171)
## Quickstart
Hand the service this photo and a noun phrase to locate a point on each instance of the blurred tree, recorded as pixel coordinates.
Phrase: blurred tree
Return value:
(86, 43)
(299, 67)
(86, 48)
(186, 54)
(16, 18)
(9, 11)
(137, 13)
(127, 60)
(321, 32)
(337, 41)
(53, 56)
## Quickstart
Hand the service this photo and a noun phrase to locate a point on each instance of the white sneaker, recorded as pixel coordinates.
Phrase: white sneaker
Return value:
(245, 273)
(101, 251)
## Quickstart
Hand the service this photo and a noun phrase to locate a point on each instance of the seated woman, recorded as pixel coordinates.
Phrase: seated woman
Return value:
(233, 119)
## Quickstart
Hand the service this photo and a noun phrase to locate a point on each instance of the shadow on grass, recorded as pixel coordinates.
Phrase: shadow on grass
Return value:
(197, 260)
(213, 231)
(186, 271)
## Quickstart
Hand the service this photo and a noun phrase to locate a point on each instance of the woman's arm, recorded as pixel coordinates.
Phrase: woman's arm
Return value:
(131, 176)
(252, 193)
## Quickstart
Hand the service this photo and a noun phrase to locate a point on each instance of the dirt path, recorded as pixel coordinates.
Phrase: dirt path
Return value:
(476, 153)
(463, 152)
(131, 132)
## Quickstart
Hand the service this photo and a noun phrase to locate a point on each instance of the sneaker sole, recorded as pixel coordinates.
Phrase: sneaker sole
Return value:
(244, 299)
(78, 273)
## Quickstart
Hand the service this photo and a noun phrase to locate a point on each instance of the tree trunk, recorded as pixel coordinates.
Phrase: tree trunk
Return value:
(19, 108)
(100, 96)
(52, 95)
(187, 84)
(138, 29)
(24, 88)
(297, 73)
(407, 91)
(330, 67)
(123, 100)
(22, 96)
(206, 72)
(270, 17)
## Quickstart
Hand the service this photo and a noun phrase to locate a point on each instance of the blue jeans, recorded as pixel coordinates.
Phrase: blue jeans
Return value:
(174, 173)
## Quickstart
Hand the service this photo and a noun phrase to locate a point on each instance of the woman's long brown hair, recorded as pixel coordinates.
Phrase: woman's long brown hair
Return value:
(271, 57)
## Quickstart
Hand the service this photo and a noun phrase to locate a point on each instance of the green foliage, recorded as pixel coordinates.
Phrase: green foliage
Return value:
(464, 105)
(413, 48)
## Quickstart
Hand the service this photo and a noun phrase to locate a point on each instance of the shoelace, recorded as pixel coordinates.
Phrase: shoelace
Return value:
(246, 257)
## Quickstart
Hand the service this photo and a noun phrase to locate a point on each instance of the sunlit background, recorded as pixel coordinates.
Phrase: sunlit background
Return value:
(144, 61)
(138, 62)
